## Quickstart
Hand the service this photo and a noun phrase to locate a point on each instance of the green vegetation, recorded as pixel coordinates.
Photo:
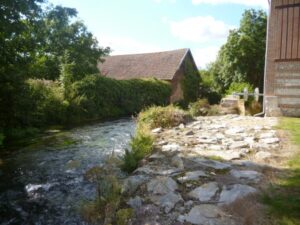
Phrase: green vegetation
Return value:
(124, 216)
(190, 83)
(142, 143)
(283, 197)
(242, 57)
(199, 108)
(239, 87)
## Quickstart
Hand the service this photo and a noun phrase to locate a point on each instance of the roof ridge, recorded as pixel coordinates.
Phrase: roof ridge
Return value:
(131, 54)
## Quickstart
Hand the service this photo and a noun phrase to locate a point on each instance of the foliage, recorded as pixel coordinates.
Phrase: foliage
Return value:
(241, 59)
(108, 198)
(164, 117)
(283, 198)
(199, 108)
(97, 97)
(190, 82)
(208, 88)
(239, 88)
(141, 145)
(124, 216)
(1, 139)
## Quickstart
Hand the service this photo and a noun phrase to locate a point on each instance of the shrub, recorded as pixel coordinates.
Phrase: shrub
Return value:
(239, 87)
(164, 117)
(199, 108)
(124, 216)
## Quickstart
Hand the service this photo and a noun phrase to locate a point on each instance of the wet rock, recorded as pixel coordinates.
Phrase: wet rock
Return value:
(135, 203)
(230, 194)
(162, 185)
(204, 215)
(167, 202)
(205, 192)
(190, 176)
(177, 162)
(131, 184)
(246, 174)
(263, 155)
(170, 148)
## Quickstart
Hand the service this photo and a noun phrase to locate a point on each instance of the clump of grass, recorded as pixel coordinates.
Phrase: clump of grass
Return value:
(124, 216)
(199, 108)
(164, 117)
(103, 208)
(283, 198)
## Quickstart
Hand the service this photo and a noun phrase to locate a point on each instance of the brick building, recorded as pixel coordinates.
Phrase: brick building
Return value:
(170, 66)
(282, 75)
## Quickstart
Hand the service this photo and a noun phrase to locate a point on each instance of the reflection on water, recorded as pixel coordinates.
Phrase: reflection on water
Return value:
(43, 183)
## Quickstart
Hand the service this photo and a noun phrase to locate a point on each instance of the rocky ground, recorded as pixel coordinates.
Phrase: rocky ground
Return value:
(207, 172)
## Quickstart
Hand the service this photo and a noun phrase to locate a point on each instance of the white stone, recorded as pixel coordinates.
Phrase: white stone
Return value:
(205, 192)
(162, 185)
(171, 147)
(235, 130)
(269, 140)
(167, 201)
(267, 135)
(226, 155)
(239, 145)
(190, 176)
(230, 194)
(181, 126)
(157, 130)
(263, 155)
(246, 174)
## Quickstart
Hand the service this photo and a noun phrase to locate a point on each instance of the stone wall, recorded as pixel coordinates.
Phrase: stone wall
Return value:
(282, 84)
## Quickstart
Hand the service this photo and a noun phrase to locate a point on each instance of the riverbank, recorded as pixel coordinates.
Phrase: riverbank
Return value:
(210, 171)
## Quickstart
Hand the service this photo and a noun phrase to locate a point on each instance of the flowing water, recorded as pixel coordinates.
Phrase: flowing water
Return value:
(44, 183)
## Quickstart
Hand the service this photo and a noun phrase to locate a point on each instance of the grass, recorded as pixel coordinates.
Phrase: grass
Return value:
(283, 198)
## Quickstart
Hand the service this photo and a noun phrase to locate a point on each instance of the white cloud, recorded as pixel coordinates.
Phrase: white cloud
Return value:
(200, 29)
(261, 3)
(204, 56)
(126, 45)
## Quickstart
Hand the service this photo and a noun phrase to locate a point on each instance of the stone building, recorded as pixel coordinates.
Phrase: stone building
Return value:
(282, 75)
(170, 66)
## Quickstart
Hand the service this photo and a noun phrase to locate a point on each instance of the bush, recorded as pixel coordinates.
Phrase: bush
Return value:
(164, 117)
(239, 87)
(199, 108)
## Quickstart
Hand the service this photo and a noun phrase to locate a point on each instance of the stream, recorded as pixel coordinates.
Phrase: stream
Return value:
(44, 183)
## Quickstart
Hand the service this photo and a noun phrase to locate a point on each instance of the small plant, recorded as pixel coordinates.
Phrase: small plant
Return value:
(141, 145)
(124, 216)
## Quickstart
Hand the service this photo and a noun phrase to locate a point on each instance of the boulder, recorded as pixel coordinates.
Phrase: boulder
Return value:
(231, 193)
(167, 201)
(205, 192)
(162, 185)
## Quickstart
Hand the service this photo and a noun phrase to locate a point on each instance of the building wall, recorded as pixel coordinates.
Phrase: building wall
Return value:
(282, 81)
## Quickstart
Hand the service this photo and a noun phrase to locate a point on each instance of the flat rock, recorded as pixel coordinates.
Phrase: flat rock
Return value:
(235, 130)
(131, 184)
(170, 147)
(157, 156)
(135, 203)
(267, 135)
(162, 185)
(212, 164)
(232, 193)
(167, 201)
(263, 155)
(246, 174)
(239, 145)
(207, 141)
(205, 192)
(269, 140)
(191, 176)
(157, 130)
(157, 170)
(226, 155)
(204, 215)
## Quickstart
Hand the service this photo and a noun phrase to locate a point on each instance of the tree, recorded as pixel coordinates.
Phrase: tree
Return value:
(242, 58)
(59, 35)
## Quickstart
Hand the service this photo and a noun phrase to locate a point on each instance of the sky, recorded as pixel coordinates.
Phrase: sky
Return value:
(140, 26)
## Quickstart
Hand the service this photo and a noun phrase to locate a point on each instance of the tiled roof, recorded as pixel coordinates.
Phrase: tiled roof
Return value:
(160, 65)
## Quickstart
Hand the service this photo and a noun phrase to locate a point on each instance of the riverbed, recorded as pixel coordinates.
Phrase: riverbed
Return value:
(44, 183)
